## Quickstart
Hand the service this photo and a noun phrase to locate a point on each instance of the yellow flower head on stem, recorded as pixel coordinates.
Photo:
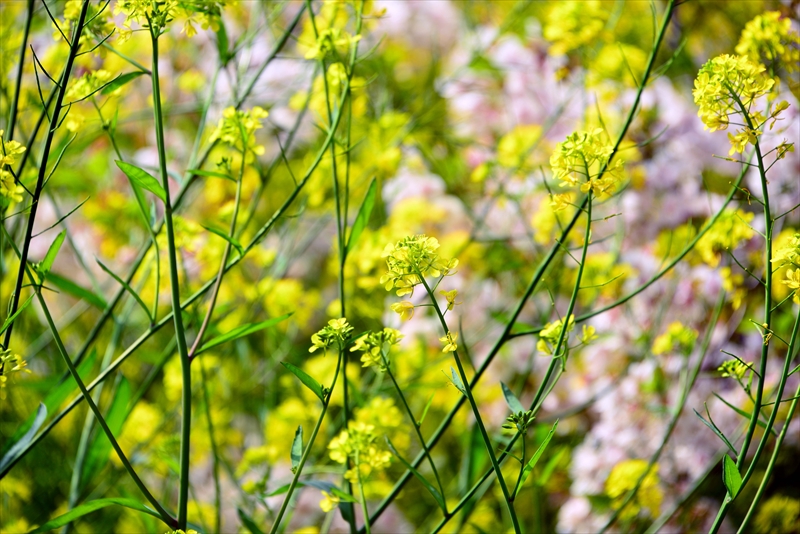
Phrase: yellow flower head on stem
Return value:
(449, 342)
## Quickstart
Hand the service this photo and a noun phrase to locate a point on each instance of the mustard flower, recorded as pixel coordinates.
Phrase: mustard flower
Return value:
(359, 444)
(792, 279)
(236, 128)
(588, 334)
(548, 337)
(328, 502)
(778, 514)
(88, 84)
(582, 153)
(768, 37)
(731, 229)
(12, 364)
(734, 369)
(375, 346)
(336, 331)
(412, 258)
(9, 151)
(10, 191)
(329, 40)
(451, 298)
(449, 342)
(571, 25)
(624, 477)
(677, 336)
(404, 308)
(788, 254)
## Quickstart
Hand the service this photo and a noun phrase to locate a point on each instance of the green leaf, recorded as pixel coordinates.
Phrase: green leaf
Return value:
(70, 287)
(297, 448)
(744, 414)
(425, 411)
(235, 244)
(731, 477)
(200, 172)
(52, 252)
(13, 316)
(512, 400)
(19, 446)
(547, 472)
(306, 379)
(344, 497)
(119, 81)
(141, 201)
(456, 380)
(97, 455)
(535, 458)
(90, 507)
(248, 522)
(222, 44)
(128, 288)
(364, 213)
(433, 491)
(710, 424)
(242, 331)
(143, 179)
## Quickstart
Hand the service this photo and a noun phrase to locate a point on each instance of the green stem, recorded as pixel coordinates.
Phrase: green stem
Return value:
(12, 121)
(214, 453)
(363, 495)
(307, 450)
(183, 351)
(476, 412)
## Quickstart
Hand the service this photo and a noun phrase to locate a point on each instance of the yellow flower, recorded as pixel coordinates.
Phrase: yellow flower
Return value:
(449, 342)
(237, 129)
(451, 298)
(9, 150)
(577, 162)
(624, 477)
(404, 308)
(769, 37)
(677, 336)
(588, 334)
(411, 258)
(337, 331)
(9, 189)
(548, 337)
(734, 369)
(375, 346)
(792, 279)
(328, 502)
(729, 231)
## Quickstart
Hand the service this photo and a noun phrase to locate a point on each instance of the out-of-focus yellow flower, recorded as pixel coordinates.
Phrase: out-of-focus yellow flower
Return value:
(375, 347)
(677, 337)
(729, 231)
(237, 129)
(769, 37)
(571, 25)
(778, 514)
(328, 502)
(624, 477)
(404, 308)
(449, 342)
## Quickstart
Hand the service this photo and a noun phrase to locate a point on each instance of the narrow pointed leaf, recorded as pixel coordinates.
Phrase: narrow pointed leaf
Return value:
(52, 252)
(425, 411)
(242, 331)
(213, 174)
(127, 287)
(235, 244)
(716, 431)
(730, 476)
(364, 213)
(223, 44)
(70, 287)
(143, 179)
(512, 400)
(297, 447)
(119, 81)
(433, 491)
(248, 522)
(10, 319)
(744, 414)
(456, 380)
(19, 446)
(535, 458)
(97, 455)
(90, 507)
(306, 379)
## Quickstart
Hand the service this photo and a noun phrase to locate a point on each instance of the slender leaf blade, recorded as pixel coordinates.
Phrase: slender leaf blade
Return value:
(248, 522)
(234, 243)
(242, 331)
(119, 81)
(127, 287)
(535, 458)
(19, 446)
(433, 491)
(98, 452)
(297, 448)
(511, 399)
(14, 315)
(143, 179)
(364, 213)
(212, 174)
(89, 507)
(731, 477)
(306, 379)
(716, 431)
(52, 252)
(68, 286)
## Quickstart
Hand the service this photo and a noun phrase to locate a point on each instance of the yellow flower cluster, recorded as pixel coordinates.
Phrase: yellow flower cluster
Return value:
(98, 19)
(789, 255)
(779, 513)
(677, 337)
(412, 258)
(734, 369)
(10, 190)
(157, 14)
(237, 128)
(731, 229)
(769, 37)
(88, 84)
(578, 160)
(375, 347)
(571, 25)
(449, 342)
(12, 363)
(360, 444)
(548, 337)
(624, 477)
(332, 40)
(337, 331)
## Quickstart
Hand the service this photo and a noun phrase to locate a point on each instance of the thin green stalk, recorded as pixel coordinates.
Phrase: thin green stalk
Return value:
(363, 495)
(476, 412)
(677, 411)
(767, 325)
(40, 180)
(214, 453)
(307, 451)
(416, 429)
(12, 121)
(180, 334)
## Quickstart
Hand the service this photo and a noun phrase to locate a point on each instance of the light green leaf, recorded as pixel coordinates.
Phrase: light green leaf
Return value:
(235, 244)
(425, 411)
(127, 287)
(97, 455)
(306, 379)
(52, 252)
(456, 380)
(68, 286)
(242, 331)
(512, 400)
(535, 458)
(19, 446)
(119, 81)
(364, 213)
(297, 448)
(13, 316)
(731, 477)
(200, 172)
(248, 522)
(143, 179)
(433, 491)
(90, 507)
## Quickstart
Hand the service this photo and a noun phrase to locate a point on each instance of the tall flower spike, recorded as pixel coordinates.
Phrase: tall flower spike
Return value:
(582, 153)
